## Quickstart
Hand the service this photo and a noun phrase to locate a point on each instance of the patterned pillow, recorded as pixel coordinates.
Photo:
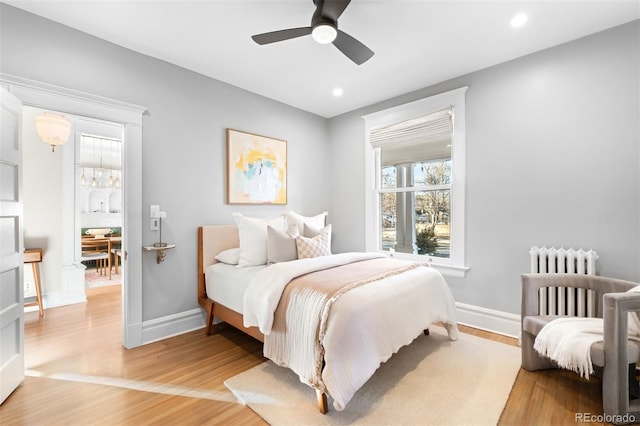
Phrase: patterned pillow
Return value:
(320, 245)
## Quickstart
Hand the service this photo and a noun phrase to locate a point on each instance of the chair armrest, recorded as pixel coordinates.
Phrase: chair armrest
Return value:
(616, 379)
(617, 307)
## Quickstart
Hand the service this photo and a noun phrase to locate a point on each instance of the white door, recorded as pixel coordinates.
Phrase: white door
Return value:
(11, 247)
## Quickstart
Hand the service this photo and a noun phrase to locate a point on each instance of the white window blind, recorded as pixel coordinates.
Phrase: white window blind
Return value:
(436, 125)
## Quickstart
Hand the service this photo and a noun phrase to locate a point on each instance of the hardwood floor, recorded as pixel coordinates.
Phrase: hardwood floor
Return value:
(549, 397)
(79, 374)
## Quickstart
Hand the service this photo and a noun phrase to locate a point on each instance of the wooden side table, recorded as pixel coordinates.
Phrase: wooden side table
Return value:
(34, 257)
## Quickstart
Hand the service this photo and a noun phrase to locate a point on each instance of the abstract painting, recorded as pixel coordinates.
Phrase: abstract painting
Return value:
(256, 169)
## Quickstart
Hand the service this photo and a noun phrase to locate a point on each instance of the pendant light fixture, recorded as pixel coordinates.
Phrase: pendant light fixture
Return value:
(53, 129)
(110, 181)
(119, 162)
(94, 182)
(100, 169)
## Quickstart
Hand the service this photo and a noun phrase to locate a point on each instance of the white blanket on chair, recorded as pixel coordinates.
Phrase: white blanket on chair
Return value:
(568, 342)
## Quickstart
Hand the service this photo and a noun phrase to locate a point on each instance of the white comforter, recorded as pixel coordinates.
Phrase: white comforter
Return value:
(263, 294)
(367, 325)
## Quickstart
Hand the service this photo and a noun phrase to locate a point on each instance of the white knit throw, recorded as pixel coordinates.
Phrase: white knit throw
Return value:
(568, 342)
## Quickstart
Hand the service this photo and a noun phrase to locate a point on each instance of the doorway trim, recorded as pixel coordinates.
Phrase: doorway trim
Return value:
(43, 95)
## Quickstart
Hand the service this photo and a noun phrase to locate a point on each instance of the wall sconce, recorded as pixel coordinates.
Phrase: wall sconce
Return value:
(53, 129)
(156, 224)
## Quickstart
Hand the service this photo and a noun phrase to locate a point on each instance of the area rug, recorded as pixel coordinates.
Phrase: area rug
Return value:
(433, 381)
(92, 279)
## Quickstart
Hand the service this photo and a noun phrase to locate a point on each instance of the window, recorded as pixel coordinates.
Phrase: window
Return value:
(415, 169)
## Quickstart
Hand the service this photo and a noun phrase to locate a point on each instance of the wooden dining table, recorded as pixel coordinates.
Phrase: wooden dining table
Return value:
(109, 242)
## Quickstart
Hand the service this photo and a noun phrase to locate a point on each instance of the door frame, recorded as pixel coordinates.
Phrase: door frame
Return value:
(47, 96)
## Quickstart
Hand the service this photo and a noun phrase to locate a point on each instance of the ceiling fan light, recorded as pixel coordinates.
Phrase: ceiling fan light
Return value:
(324, 33)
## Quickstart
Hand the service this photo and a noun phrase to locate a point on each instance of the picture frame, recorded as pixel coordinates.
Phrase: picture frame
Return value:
(256, 169)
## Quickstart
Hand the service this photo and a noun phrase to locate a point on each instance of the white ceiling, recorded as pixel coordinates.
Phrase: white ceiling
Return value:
(416, 43)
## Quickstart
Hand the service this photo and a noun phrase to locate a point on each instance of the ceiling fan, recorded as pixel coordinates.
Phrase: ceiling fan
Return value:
(324, 30)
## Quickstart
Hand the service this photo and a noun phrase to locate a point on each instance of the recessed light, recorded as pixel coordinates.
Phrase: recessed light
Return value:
(337, 92)
(519, 20)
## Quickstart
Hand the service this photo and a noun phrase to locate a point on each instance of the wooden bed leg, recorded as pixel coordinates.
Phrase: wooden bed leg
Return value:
(209, 320)
(426, 331)
(322, 401)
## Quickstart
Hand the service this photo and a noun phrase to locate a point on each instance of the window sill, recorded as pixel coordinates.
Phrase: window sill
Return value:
(446, 270)
(450, 270)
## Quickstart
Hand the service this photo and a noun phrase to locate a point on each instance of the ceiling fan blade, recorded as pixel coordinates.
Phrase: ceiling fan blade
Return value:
(274, 36)
(333, 8)
(352, 48)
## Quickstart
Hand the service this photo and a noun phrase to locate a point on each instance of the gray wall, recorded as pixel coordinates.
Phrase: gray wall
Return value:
(183, 139)
(552, 153)
(552, 159)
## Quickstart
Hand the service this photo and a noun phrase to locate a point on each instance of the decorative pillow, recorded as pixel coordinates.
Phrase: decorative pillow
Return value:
(310, 232)
(281, 246)
(317, 221)
(253, 238)
(230, 257)
(320, 245)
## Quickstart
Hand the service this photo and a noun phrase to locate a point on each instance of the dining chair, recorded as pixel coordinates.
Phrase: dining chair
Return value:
(97, 250)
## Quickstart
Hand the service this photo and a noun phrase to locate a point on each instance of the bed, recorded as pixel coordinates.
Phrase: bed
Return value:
(368, 322)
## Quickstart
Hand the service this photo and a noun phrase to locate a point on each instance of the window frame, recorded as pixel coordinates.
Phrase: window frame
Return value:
(455, 264)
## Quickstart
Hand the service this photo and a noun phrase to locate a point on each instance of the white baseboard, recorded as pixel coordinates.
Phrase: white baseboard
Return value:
(132, 335)
(488, 319)
(474, 316)
(172, 325)
(62, 298)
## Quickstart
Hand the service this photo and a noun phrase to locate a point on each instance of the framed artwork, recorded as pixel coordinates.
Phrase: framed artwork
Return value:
(256, 169)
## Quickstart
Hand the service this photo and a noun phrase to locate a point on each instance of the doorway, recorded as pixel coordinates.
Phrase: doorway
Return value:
(68, 101)
(99, 204)
(59, 210)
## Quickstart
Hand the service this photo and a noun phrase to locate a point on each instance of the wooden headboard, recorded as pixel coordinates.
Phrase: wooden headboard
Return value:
(213, 239)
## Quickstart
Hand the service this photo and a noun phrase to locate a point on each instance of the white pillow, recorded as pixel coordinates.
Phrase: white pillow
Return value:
(317, 221)
(230, 257)
(320, 245)
(281, 246)
(253, 237)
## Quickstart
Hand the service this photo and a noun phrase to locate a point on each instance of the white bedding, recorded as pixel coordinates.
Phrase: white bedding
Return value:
(263, 294)
(226, 284)
(367, 325)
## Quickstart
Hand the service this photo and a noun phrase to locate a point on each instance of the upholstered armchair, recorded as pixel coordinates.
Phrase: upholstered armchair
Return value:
(614, 358)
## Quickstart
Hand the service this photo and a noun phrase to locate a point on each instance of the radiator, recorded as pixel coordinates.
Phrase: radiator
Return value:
(565, 300)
